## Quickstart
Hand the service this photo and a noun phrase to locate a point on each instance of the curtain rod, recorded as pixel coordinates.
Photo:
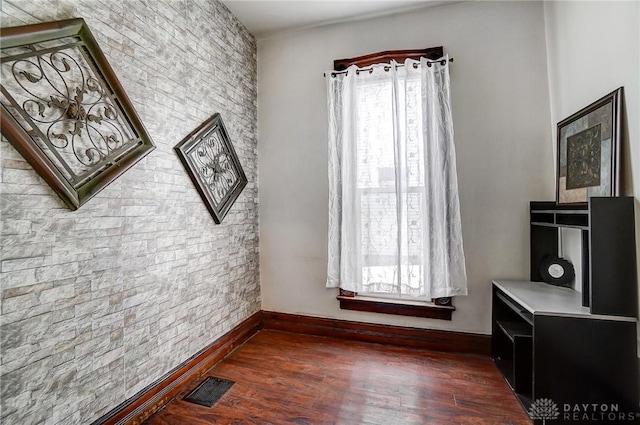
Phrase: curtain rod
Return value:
(388, 67)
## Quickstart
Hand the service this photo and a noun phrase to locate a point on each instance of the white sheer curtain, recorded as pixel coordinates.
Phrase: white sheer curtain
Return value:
(394, 216)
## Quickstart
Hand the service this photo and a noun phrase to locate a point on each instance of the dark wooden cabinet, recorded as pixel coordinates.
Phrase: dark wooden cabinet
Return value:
(577, 350)
(549, 346)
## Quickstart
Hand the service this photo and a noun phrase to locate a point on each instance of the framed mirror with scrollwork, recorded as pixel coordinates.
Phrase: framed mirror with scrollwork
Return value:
(65, 111)
(214, 167)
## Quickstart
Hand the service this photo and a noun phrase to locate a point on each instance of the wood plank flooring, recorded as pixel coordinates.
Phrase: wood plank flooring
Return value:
(286, 378)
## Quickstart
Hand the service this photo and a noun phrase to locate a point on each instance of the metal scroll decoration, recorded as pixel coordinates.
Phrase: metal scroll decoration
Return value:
(65, 111)
(212, 164)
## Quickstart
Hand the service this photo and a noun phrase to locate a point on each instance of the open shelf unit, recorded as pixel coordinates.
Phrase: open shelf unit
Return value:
(609, 284)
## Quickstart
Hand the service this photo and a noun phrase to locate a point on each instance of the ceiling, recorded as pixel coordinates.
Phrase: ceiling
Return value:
(264, 18)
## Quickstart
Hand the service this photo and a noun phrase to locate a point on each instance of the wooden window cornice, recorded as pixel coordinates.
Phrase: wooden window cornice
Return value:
(387, 56)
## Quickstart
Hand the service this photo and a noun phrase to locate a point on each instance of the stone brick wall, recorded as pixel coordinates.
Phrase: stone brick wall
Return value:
(98, 303)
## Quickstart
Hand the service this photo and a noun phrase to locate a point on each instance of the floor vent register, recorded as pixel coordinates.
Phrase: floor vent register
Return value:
(209, 391)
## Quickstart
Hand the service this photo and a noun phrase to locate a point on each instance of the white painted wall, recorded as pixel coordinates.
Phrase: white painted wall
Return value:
(501, 115)
(594, 48)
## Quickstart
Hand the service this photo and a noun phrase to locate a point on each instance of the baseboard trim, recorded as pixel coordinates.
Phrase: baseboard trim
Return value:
(138, 408)
(383, 334)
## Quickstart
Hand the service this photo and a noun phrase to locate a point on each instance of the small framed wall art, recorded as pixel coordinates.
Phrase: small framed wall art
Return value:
(212, 164)
(589, 152)
(65, 111)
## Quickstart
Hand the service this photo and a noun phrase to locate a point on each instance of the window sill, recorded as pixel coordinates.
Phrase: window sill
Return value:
(394, 307)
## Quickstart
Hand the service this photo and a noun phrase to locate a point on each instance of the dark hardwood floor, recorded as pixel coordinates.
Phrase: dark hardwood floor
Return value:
(286, 378)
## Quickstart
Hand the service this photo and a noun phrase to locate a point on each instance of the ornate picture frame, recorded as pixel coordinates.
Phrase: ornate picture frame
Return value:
(212, 164)
(588, 157)
(65, 111)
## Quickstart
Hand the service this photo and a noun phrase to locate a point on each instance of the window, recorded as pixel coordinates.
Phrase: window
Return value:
(394, 215)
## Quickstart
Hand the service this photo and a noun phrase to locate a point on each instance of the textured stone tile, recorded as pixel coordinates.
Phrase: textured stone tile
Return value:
(22, 263)
(26, 289)
(56, 294)
(27, 378)
(139, 278)
(24, 314)
(14, 304)
(24, 354)
(18, 278)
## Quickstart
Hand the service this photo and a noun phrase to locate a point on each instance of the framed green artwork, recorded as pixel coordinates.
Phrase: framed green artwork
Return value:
(589, 152)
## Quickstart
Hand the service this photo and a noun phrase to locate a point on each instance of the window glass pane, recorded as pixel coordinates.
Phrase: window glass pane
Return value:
(392, 262)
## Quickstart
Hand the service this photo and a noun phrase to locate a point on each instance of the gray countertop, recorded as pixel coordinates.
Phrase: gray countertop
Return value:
(544, 299)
